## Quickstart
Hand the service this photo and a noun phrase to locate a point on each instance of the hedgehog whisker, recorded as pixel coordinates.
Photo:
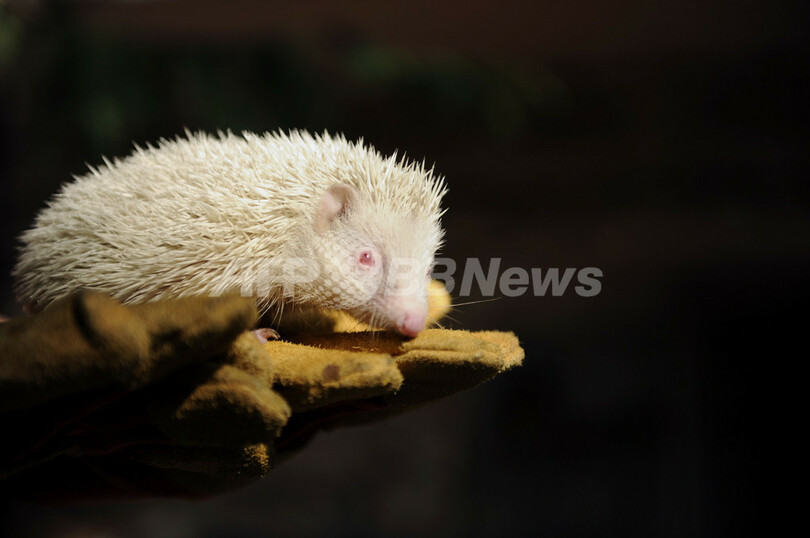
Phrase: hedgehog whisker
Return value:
(476, 302)
(436, 323)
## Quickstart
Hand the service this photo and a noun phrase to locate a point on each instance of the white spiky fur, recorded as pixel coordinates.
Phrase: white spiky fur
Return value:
(195, 215)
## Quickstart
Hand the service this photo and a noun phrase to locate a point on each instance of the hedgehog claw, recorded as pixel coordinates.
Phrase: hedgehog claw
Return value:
(266, 334)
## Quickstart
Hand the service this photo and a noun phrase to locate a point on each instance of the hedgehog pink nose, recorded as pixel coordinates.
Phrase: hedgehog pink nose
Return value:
(412, 323)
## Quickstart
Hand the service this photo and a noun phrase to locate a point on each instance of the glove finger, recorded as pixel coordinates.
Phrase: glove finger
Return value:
(144, 342)
(435, 364)
(182, 330)
(438, 362)
(309, 377)
(217, 405)
(439, 302)
(88, 341)
(63, 350)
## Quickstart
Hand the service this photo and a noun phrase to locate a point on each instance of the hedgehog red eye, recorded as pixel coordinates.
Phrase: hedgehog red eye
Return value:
(367, 259)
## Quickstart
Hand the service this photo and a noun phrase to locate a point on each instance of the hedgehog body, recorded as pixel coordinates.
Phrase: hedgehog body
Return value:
(286, 218)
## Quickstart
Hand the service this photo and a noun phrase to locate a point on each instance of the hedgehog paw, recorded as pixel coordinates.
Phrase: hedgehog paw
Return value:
(266, 334)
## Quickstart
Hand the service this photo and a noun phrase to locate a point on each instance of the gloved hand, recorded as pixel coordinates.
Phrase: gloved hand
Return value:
(175, 398)
(166, 398)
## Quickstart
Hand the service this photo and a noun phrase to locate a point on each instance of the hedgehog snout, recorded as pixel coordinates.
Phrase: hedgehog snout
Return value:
(410, 315)
(411, 323)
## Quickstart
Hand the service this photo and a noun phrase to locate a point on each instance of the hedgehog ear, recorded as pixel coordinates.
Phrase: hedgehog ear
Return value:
(335, 202)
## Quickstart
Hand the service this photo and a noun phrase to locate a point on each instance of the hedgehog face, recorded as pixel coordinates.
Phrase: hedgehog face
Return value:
(375, 267)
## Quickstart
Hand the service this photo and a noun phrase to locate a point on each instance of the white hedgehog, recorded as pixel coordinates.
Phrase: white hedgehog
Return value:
(286, 218)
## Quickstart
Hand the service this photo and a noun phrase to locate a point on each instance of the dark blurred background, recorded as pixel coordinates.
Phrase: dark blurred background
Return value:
(664, 142)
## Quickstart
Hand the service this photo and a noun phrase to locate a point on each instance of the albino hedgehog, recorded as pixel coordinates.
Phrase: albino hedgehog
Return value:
(290, 219)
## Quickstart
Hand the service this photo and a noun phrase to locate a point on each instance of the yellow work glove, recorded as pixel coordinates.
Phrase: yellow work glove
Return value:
(175, 398)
